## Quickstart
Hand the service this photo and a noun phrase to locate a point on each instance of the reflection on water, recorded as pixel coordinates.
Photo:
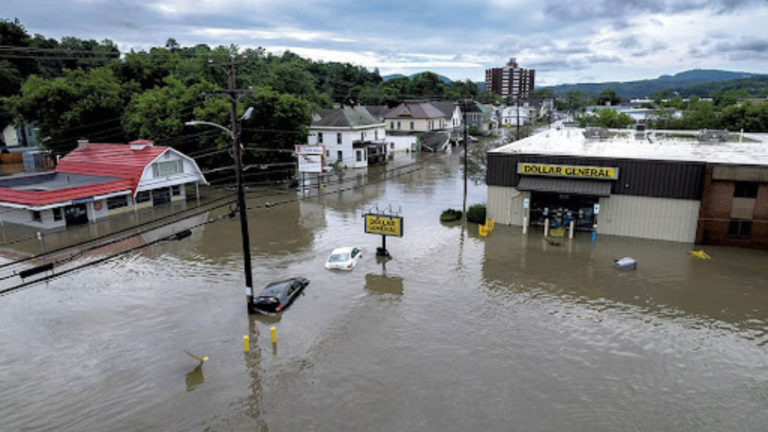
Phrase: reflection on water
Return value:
(384, 284)
(456, 332)
(194, 378)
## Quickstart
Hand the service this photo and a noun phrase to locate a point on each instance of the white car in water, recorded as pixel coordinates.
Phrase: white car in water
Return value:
(344, 258)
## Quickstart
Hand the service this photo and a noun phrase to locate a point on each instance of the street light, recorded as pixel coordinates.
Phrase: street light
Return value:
(205, 123)
(237, 154)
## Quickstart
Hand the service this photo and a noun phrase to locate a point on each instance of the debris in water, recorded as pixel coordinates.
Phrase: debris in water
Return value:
(200, 359)
(626, 263)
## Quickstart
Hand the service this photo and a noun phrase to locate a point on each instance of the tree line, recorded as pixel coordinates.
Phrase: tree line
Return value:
(76, 88)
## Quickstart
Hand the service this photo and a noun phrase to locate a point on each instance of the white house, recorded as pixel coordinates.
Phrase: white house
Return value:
(98, 180)
(510, 116)
(351, 138)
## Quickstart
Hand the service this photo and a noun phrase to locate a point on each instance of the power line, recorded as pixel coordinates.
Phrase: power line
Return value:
(175, 235)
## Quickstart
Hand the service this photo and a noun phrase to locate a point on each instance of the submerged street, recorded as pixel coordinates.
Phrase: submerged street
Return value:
(456, 332)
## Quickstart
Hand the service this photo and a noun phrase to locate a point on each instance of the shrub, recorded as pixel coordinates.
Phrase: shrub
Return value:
(476, 214)
(450, 215)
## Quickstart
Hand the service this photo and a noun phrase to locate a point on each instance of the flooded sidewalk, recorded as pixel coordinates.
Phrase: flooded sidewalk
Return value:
(456, 332)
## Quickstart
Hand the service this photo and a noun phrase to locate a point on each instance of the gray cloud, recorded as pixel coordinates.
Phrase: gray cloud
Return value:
(744, 44)
(629, 42)
(568, 10)
(602, 59)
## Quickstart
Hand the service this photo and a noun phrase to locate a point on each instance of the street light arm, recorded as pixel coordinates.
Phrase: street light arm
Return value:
(216, 125)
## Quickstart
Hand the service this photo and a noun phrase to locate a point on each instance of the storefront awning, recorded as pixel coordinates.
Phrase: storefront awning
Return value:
(565, 186)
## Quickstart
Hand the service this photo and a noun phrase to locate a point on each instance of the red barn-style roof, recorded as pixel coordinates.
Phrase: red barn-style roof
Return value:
(114, 167)
(111, 160)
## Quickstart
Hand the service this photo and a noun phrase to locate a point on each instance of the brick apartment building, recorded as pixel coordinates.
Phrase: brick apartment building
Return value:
(510, 81)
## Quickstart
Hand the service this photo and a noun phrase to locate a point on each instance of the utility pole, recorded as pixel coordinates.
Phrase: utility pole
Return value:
(232, 94)
(517, 136)
(465, 108)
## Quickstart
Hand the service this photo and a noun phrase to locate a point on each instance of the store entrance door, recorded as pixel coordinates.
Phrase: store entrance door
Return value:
(558, 207)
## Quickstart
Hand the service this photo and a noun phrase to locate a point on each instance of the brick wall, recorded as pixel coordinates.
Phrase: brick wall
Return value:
(715, 215)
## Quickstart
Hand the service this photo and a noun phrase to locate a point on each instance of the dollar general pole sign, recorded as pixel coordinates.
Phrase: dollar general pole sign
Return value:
(385, 225)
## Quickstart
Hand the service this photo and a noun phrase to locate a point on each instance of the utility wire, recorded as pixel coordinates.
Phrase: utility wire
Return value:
(172, 237)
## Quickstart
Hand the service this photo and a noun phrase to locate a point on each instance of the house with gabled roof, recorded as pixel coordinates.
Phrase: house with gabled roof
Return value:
(351, 138)
(409, 121)
(97, 180)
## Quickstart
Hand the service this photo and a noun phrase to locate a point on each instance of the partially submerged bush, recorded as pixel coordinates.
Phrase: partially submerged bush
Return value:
(476, 214)
(450, 215)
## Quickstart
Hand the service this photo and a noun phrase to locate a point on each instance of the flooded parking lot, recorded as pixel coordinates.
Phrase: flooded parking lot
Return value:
(456, 332)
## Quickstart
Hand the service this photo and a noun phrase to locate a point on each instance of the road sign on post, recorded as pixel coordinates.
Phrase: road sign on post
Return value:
(310, 158)
(384, 225)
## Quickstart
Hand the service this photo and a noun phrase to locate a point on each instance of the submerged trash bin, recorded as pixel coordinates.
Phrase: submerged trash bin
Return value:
(626, 263)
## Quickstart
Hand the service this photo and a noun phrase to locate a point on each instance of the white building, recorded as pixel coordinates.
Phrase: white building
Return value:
(351, 138)
(98, 180)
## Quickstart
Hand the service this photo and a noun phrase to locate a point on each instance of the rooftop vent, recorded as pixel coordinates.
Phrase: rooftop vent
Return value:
(82, 144)
(139, 144)
(712, 136)
(595, 133)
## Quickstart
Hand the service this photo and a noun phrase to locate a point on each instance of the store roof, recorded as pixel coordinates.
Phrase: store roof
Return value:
(42, 189)
(92, 170)
(623, 145)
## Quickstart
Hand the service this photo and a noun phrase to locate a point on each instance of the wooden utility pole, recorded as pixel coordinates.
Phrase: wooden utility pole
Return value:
(465, 107)
(233, 94)
(517, 136)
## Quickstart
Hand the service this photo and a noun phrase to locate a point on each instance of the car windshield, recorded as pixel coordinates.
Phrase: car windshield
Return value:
(275, 289)
(339, 257)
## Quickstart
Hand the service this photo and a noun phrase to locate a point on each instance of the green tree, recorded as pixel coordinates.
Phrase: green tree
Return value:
(574, 100)
(608, 95)
(160, 113)
(425, 84)
(80, 104)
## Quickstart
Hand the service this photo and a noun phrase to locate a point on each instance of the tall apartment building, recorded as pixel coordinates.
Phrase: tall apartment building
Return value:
(510, 80)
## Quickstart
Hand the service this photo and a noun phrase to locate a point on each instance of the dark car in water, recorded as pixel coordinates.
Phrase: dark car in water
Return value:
(277, 296)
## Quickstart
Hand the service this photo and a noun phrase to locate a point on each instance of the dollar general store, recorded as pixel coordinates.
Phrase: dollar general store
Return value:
(641, 184)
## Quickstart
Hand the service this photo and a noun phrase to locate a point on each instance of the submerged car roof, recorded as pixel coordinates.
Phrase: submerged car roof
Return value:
(346, 249)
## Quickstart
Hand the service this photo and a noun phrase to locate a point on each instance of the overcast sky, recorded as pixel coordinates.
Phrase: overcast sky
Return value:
(564, 40)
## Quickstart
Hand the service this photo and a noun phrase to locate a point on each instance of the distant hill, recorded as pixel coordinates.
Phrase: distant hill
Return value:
(442, 78)
(756, 86)
(644, 88)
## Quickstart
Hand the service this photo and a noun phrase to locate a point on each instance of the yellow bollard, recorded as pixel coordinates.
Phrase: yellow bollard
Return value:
(482, 230)
(490, 224)
(246, 344)
(273, 331)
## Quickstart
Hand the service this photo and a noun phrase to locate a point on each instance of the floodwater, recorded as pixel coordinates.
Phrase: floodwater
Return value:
(456, 332)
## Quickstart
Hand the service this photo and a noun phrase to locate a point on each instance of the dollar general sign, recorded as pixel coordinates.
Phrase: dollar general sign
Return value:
(573, 171)
(384, 224)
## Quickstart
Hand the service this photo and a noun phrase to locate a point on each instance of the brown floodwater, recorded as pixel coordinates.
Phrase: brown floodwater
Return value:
(456, 332)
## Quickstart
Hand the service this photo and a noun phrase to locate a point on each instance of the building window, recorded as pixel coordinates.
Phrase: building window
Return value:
(359, 156)
(176, 190)
(398, 125)
(142, 196)
(376, 134)
(739, 228)
(117, 202)
(392, 145)
(745, 190)
(362, 136)
(391, 125)
(165, 169)
(319, 137)
(411, 125)
(57, 214)
(36, 216)
(327, 153)
(338, 138)
(339, 156)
